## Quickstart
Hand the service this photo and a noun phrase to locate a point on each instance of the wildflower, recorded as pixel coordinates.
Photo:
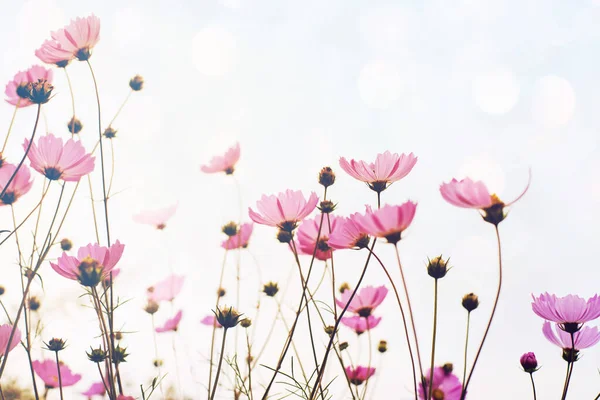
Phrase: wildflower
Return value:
(582, 339)
(171, 324)
(225, 163)
(470, 301)
(167, 289)
(529, 362)
(157, 217)
(437, 267)
(75, 126)
(228, 317)
(96, 355)
(348, 235)
(136, 83)
(446, 385)
(66, 244)
(569, 312)
(47, 370)
(359, 374)
(56, 344)
(17, 91)
(19, 185)
(387, 169)
(5, 331)
(388, 222)
(365, 301)
(308, 233)
(361, 324)
(75, 40)
(240, 239)
(285, 210)
(326, 177)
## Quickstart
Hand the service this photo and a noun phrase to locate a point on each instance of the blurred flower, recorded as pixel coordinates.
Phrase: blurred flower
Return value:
(97, 389)
(529, 362)
(228, 317)
(34, 303)
(136, 83)
(47, 370)
(225, 163)
(230, 229)
(361, 324)
(75, 125)
(157, 217)
(446, 385)
(283, 210)
(388, 222)
(66, 244)
(151, 307)
(19, 186)
(240, 239)
(5, 331)
(75, 40)
(54, 160)
(270, 289)
(348, 235)
(17, 90)
(92, 264)
(12, 391)
(365, 301)
(307, 236)
(359, 374)
(210, 320)
(123, 397)
(583, 339)
(387, 169)
(167, 289)
(382, 346)
(569, 312)
(110, 133)
(171, 324)
(2, 290)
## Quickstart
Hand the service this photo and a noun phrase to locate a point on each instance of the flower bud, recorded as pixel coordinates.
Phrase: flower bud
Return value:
(270, 289)
(230, 229)
(136, 83)
(284, 236)
(246, 322)
(66, 244)
(2, 290)
(110, 132)
(529, 362)
(326, 177)
(39, 92)
(329, 330)
(228, 317)
(382, 346)
(158, 362)
(119, 335)
(570, 355)
(151, 307)
(55, 344)
(343, 346)
(448, 368)
(437, 267)
(470, 301)
(326, 207)
(119, 354)
(343, 287)
(34, 303)
(96, 355)
(74, 125)
(221, 292)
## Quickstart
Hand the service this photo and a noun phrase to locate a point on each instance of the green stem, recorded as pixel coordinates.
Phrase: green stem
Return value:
(214, 391)
(435, 310)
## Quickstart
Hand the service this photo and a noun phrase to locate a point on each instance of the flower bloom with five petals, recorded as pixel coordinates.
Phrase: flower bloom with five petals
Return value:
(365, 300)
(240, 239)
(171, 324)
(308, 233)
(47, 370)
(20, 184)
(167, 289)
(387, 169)
(348, 234)
(569, 312)
(359, 374)
(157, 218)
(5, 331)
(388, 222)
(96, 389)
(283, 210)
(361, 324)
(17, 92)
(225, 163)
(446, 385)
(55, 161)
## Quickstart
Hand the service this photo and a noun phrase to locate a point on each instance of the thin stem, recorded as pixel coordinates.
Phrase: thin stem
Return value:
(158, 361)
(96, 231)
(214, 328)
(533, 386)
(106, 333)
(102, 378)
(219, 366)
(435, 310)
(249, 362)
(12, 121)
(176, 359)
(571, 364)
(487, 329)
(466, 350)
(564, 393)
(370, 359)
(24, 220)
(71, 128)
(120, 108)
(59, 376)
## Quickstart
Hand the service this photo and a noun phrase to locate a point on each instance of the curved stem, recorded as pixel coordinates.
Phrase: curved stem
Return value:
(59, 376)
(487, 329)
(466, 350)
(533, 386)
(120, 108)
(435, 307)
(219, 366)
(71, 129)
(12, 121)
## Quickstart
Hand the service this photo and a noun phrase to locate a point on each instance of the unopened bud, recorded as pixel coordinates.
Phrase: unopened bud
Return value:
(136, 83)
(66, 244)
(470, 301)
(437, 267)
(326, 177)
(382, 347)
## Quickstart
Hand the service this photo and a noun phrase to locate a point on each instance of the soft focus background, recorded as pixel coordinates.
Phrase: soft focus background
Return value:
(485, 89)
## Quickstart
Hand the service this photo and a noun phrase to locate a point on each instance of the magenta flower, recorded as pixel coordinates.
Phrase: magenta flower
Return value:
(388, 222)
(583, 339)
(365, 301)
(225, 163)
(348, 235)
(387, 169)
(97, 389)
(171, 324)
(529, 362)
(307, 236)
(359, 374)
(92, 264)
(5, 331)
(569, 312)
(361, 324)
(54, 160)
(445, 385)
(75, 40)
(284, 210)
(47, 370)
(19, 186)
(211, 320)
(157, 218)
(240, 239)
(16, 89)
(167, 289)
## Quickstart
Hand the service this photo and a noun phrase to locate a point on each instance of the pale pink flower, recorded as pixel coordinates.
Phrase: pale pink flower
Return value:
(446, 385)
(365, 300)
(75, 40)
(167, 289)
(47, 370)
(359, 374)
(97, 389)
(16, 89)
(115, 273)
(5, 331)
(569, 312)
(307, 236)
(92, 264)
(123, 397)
(211, 320)
(157, 218)
(284, 210)
(225, 163)
(171, 324)
(240, 239)
(361, 324)
(387, 169)
(348, 235)
(54, 160)
(586, 337)
(19, 185)
(388, 222)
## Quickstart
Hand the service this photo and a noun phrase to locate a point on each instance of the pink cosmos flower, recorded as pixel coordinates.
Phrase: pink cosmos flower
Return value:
(115, 273)
(211, 320)
(16, 90)
(388, 222)
(158, 218)
(365, 301)
(569, 312)
(19, 186)
(51, 158)
(284, 210)
(47, 370)
(75, 40)
(167, 289)
(92, 264)
(307, 236)
(123, 397)
(348, 235)
(171, 324)
(361, 324)
(5, 331)
(240, 239)
(224, 163)
(446, 385)
(359, 374)
(586, 337)
(387, 169)
(97, 389)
